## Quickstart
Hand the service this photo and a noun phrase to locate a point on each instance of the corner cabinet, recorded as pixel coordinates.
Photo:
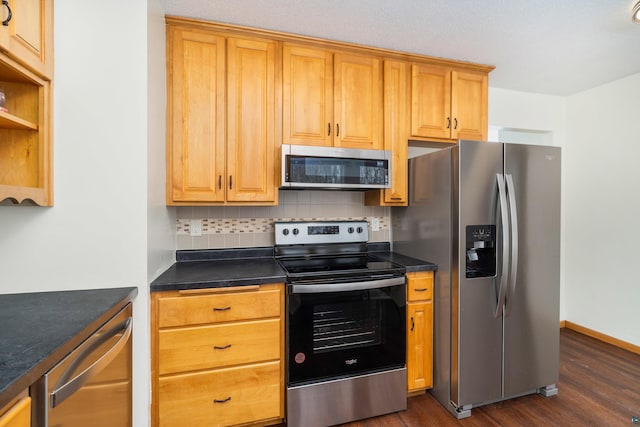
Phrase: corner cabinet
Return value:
(448, 104)
(419, 331)
(221, 119)
(217, 356)
(331, 98)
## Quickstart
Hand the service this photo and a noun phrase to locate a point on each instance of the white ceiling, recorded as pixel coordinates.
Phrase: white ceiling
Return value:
(556, 47)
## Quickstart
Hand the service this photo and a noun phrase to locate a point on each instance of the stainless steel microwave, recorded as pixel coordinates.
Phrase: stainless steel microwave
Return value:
(320, 168)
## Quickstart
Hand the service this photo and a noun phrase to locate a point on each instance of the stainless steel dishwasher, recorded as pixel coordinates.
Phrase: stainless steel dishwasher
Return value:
(92, 385)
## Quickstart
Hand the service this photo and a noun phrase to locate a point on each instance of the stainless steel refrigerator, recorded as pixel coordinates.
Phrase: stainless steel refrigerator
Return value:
(488, 214)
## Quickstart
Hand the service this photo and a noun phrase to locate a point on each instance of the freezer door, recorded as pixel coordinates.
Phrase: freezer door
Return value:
(476, 347)
(532, 313)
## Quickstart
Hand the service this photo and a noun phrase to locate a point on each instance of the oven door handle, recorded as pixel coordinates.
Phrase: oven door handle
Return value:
(345, 287)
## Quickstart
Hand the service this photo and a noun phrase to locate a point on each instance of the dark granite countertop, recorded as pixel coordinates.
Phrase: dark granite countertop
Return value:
(37, 330)
(213, 268)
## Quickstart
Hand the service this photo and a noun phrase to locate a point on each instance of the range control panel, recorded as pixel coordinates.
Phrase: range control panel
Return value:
(314, 232)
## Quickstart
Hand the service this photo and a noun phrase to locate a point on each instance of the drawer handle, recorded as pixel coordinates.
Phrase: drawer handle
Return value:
(222, 308)
(224, 347)
(222, 400)
(413, 325)
(421, 289)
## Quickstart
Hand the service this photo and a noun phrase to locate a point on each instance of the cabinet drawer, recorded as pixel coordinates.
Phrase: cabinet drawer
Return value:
(221, 397)
(225, 307)
(205, 347)
(420, 286)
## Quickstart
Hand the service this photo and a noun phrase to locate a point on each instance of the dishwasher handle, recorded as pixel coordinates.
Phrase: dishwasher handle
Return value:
(65, 387)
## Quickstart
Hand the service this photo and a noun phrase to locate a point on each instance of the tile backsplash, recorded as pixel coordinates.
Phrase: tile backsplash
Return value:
(252, 226)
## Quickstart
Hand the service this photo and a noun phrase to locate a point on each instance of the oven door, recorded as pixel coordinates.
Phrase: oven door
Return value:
(343, 329)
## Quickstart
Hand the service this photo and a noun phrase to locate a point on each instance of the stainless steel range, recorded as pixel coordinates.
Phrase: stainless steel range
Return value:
(346, 341)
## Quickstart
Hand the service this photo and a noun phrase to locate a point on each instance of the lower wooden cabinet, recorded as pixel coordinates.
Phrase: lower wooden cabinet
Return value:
(419, 331)
(217, 356)
(17, 415)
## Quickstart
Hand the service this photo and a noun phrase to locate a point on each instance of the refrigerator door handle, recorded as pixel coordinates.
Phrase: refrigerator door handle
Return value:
(511, 197)
(504, 217)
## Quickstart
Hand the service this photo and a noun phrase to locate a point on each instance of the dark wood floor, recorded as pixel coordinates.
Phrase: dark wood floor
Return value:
(599, 386)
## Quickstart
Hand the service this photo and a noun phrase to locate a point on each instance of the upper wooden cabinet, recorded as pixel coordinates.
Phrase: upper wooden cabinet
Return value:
(25, 135)
(448, 103)
(331, 98)
(26, 33)
(221, 121)
(396, 134)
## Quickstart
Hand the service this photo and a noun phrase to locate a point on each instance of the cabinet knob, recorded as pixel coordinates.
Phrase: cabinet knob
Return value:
(455, 121)
(219, 182)
(9, 14)
(412, 324)
(337, 129)
(448, 122)
(230, 182)
(328, 129)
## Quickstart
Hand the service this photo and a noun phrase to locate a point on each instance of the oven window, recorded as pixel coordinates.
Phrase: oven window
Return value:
(335, 334)
(346, 325)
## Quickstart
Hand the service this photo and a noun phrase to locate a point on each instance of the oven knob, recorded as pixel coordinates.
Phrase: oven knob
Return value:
(285, 231)
(359, 230)
(350, 230)
(295, 231)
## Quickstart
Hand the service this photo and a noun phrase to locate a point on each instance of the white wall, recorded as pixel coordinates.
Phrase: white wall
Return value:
(105, 128)
(603, 208)
(534, 112)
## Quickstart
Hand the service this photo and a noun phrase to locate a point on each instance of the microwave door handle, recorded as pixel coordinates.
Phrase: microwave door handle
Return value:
(62, 392)
(344, 287)
(504, 218)
(513, 275)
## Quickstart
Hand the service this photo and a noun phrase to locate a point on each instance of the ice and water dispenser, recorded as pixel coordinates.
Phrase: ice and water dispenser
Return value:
(481, 250)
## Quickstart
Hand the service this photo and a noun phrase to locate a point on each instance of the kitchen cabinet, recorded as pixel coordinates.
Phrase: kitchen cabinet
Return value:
(25, 135)
(221, 121)
(396, 134)
(448, 104)
(331, 98)
(18, 413)
(26, 34)
(217, 356)
(419, 331)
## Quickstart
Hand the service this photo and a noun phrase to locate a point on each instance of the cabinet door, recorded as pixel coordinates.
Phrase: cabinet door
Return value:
(251, 107)
(196, 117)
(307, 85)
(396, 134)
(395, 129)
(430, 101)
(357, 95)
(19, 415)
(28, 37)
(419, 346)
(469, 105)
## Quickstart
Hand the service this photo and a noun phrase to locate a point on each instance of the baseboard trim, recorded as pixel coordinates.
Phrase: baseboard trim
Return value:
(600, 336)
